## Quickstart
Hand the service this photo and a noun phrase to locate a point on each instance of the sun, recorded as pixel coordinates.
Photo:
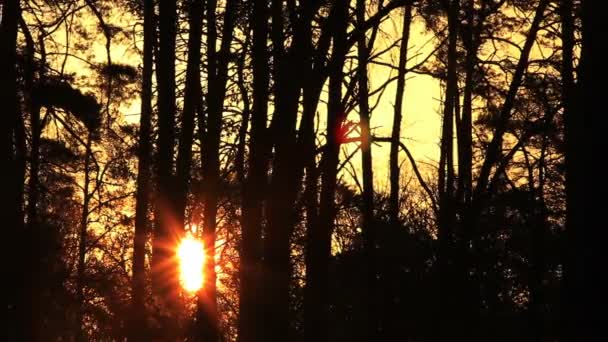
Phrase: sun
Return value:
(191, 261)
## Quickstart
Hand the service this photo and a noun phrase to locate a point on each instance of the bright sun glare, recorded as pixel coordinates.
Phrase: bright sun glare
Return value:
(191, 259)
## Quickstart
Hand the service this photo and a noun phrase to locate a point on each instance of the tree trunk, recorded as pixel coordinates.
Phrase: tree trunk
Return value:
(138, 329)
(368, 227)
(241, 146)
(82, 245)
(466, 255)
(396, 131)
(32, 231)
(317, 280)
(217, 69)
(165, 279)
(191, 99)
(255, 184)
(584, 287)
(446, 217)
(13, 140)
(289, 75)
(311, 94)
(464, 130)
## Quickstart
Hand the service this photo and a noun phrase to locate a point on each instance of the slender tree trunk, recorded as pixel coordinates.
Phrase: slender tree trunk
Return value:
(369, 229)
(13, 140)
(465, 131)
(239, 158)
(138, 329)
(398, 115)
(191, 99)
(466, 256)
(34, 181)
(275, 251)
(10, 99)
(574, 140)
(165, 279)
(255, 184)
(82, 244)
(445, 183)
(217, 69)
(311, 95)
(538, 228)
(320, 235)
(289, 65)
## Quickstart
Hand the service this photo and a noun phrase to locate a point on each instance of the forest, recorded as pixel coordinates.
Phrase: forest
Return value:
(302, 170)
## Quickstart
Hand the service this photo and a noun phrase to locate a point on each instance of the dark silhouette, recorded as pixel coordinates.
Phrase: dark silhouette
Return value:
(261, 129)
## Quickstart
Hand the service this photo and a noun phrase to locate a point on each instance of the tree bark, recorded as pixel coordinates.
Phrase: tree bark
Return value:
(191, 99)
(289, 65)
(311, 93)
(446, 217)
(13, 140)
(584, 288)
(165, 278)
(255, 184)
(217, 69)
(138, 329)
(466, 255)
(317, 281)
(397, 118)
(368, 227)
(82, 244)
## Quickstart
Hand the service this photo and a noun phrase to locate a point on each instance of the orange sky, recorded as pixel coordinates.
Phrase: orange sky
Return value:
(421, 124)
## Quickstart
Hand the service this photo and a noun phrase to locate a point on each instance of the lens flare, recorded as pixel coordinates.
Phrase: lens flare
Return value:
(191, 259)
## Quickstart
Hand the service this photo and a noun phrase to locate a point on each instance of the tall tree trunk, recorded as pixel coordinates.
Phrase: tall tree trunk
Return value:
(82, 244)
(464, 130)
(217, 69)
(466, 256)
(289, 66)
(191, 99)
(241, 146)
(317, 281)
(32, 231)
(538, 228)
(369, 232)
(13, 142)
(574, 140)
(445, 184)
(138, 329)
(165, 280)
(584, 289)
(255, 184)
(275, 250)
(312, 88)
(398, 115)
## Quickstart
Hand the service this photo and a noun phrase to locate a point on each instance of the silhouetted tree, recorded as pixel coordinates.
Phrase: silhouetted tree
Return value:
(166, 233)
(144, 184)
(254, 186)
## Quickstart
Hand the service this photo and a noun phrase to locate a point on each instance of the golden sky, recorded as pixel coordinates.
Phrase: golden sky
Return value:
(421, 120)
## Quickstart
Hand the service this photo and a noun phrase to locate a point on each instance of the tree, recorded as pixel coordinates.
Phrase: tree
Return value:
(398, 114)
(255, 183)
(217, 68)
(165, 283)
(321, 235)
(144, 186)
